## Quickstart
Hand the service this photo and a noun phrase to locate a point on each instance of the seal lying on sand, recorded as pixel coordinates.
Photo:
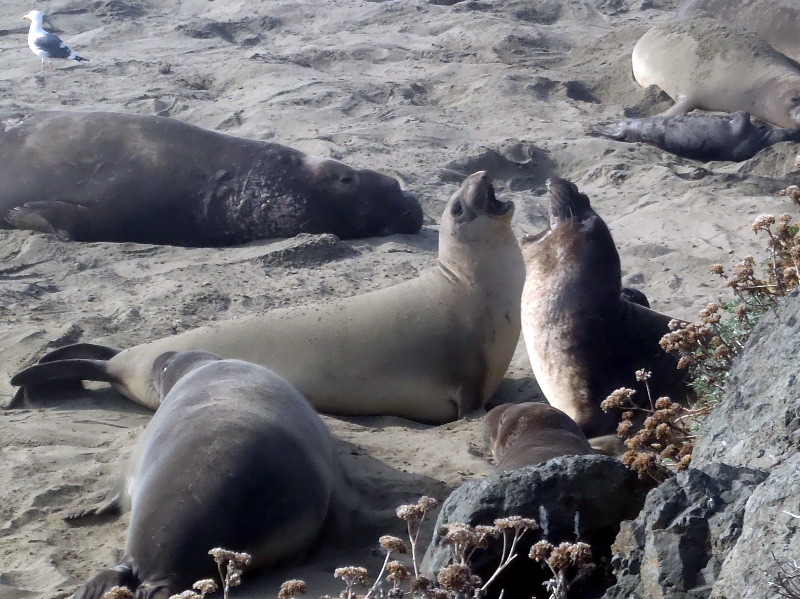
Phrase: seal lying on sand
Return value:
(101, 176)
(431, 349)
(528, 433)
(235, 457)
(701, 136)
(583, 339)
(704, 63)
(776, 21)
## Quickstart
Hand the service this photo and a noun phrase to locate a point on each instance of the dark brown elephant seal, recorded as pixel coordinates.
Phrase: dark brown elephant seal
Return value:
(583, 339)
(776, 21)
(705, 63)
(101, 176)
(235, 457)
(431, 349)
(701, 136)
(529, 433)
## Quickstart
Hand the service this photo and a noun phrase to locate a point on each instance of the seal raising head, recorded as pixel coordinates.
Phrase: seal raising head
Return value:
(583, 339)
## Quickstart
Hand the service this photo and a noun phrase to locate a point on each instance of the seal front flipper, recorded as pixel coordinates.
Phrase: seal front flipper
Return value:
(681, 106)
(112, 504)
(56, 218)
(88, 351)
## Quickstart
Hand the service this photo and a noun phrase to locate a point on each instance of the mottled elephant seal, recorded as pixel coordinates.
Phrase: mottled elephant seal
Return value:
(430, 349)
(101, 176)
(776, 21)
(705, 63)
(529, 433)
(701, 136)
(235, 457)
(583, 339)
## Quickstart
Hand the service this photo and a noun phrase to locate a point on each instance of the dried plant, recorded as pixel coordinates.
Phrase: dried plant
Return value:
(118, 593)
(787, 580)
(568, 562)
(664, 442)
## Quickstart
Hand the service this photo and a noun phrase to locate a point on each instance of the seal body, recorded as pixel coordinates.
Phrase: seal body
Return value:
(529, 433)
(235, 457)
(704, 137)
(102, 176)
(707, 64)
(773, 20)
(431, 349)
(583, 339)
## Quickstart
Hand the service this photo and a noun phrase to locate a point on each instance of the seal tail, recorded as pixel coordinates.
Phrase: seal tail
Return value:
(89, 351)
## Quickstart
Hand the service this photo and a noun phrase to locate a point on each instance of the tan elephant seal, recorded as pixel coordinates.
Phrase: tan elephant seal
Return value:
(707, 64)
(431, 349)
(583, 339)
(776, 21)
(529, 433)
(235, 457)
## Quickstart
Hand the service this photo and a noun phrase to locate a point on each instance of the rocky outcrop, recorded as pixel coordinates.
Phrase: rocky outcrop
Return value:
(723, 528)
(592, 494)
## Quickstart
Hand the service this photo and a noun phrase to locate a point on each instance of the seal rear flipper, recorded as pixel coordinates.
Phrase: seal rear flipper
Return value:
(63, 370)
(616, 131)
(57, 218)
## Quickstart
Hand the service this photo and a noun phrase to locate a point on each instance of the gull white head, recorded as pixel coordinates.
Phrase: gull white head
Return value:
(34, 17)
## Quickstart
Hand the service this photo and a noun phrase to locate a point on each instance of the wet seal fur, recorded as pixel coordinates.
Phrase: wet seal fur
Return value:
(431, 349)
(704, 63)
(102, 176)
(701, 136)
(583, 339)
(234, 457)
(529, 433)
(775, 21)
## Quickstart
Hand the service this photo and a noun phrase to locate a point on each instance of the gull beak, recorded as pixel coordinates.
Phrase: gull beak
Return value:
(26, 18)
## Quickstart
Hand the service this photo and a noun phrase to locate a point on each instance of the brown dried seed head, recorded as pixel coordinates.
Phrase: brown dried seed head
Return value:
(183, 595)
(540, 551)
(716, 269)
(455, 576)
(292, 588)
(487, 531)
(409, 512)
(559, 557)
(580, 553)
(397, 572)
(619, 398)
(352, 575)
(120, 593)
(207, 585)
(457, 533)
(516, 522)
(241, 560)
(662, 431)
(221, 555)
(663, 403)
(643, 375)
(420, 584)
(233, 577)
(426, 503)
(623, 427)
(391, 543)
(684, 463)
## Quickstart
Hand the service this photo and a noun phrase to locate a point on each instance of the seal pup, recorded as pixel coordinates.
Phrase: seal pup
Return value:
(102, 176)
(583, 339)
(529, 433)
(431, 349)
(705, 137)
(707, 64)
(775, 21)
(234, 457)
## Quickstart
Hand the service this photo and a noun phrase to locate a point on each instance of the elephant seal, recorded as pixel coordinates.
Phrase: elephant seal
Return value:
(101, 176)
(529, 433)
(583, 339)
(704, 63)
(701, 136)
(430, 349)
(775, 21)
(235, 457)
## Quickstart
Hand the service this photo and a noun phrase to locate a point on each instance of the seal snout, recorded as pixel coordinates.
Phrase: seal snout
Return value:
(479, 194)
(565, 200)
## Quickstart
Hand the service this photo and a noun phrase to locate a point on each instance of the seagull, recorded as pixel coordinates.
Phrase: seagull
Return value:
(47, 45)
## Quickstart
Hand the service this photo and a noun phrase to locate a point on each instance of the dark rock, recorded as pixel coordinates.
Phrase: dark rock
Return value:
(599, 489)
(675, 548)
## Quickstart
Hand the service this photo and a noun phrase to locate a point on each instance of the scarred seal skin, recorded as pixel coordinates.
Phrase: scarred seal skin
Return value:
(704, 63)
(529, 433)
(102, 176)
(583, 339)
(705, 137)
(235, 457)
(431, 349)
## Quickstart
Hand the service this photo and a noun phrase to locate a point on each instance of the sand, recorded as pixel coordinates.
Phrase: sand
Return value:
(426, 92)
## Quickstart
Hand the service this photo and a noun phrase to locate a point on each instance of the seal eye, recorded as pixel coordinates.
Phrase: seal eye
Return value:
(457, 209)
(347, 180)
(795, 100)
